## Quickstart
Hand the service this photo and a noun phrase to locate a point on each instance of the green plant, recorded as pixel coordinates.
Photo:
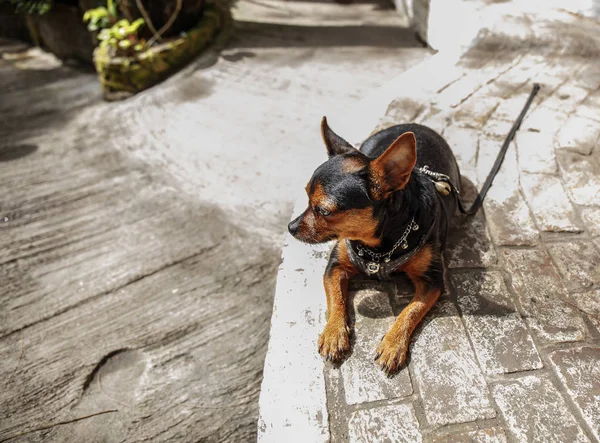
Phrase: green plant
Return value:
(32, 6)
(101, 18)
(122, 38)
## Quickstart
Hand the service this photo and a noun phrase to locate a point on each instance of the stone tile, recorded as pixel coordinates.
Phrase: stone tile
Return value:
(451, 384)
(590, 108)
(469, 244)
(503, 87)
(509, 109)
(591, 218)
(404, 110)
(566, 71)
(579, 134)
(534, 411)
(435, 119)
(464, 144)
(475, 112)
(549, 203)
(497, 129)
(578, 262)
(543, 119)
(460, 90)
(588, 302)
(488, 151)
(566, 98)
(387, 424)
(515, 80)
(499, 335)
(509, 220)
(507, 214)
(596, 322)
(579, 371)
(581, 175)
(488, 435)
(363, 380)
(588, 77)
(541, 294)
(548, 82)
(536, 152)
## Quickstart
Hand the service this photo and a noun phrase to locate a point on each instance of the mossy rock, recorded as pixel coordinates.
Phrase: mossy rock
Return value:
(122, 77)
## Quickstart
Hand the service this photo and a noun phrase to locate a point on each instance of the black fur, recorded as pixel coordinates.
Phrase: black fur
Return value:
(418, 199)
(348, 190)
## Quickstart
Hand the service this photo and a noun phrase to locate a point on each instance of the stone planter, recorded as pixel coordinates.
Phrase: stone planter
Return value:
(122, 77)
(12, 25)
(62, 32)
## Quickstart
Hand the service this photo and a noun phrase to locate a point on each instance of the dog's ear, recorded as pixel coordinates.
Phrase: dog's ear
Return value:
(335, 144)
(391, 170)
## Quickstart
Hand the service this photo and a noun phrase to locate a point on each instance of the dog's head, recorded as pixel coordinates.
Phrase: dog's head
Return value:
(345, 191)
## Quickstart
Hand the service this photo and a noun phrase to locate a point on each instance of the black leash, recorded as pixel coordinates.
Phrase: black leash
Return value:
(499, 159)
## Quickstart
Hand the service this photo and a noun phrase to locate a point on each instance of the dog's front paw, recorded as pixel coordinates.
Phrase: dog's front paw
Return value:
(391, 353)
(334, 341)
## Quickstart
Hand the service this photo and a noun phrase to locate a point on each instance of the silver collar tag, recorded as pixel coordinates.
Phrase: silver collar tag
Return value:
(373, 268)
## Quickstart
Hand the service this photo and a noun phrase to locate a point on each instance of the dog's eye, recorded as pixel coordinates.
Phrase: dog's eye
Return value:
(324, 212)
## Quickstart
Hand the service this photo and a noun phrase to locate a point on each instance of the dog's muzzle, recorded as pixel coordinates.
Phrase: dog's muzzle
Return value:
(294, 225)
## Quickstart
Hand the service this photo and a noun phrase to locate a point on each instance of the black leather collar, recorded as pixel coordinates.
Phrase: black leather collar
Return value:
(366, 265)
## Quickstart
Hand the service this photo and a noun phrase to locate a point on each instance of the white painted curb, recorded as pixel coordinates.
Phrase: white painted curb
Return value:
(292, 399)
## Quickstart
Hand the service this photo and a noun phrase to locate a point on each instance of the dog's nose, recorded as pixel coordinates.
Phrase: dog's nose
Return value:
(294, 225)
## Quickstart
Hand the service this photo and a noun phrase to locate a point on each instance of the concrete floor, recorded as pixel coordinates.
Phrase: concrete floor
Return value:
(140, 240)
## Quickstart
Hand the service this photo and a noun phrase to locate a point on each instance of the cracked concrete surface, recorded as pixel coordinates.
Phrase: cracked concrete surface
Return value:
(139, 241)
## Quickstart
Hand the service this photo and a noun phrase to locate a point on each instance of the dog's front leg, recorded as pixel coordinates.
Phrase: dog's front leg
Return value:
(426, 273)
(334, 341)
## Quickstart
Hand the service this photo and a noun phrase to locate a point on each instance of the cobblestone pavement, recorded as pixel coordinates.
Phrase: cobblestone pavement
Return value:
(511, 352)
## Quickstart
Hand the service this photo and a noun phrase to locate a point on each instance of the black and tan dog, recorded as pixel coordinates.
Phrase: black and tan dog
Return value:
(381, 206)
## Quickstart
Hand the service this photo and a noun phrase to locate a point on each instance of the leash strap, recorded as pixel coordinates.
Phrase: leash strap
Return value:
(499, 159)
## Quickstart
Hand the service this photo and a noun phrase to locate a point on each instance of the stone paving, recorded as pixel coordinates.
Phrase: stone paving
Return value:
(511, 352)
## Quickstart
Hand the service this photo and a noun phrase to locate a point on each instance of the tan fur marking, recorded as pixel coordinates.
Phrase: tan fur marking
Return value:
(320, 198)
(391, 170)
(393, 348)
(355, 224)
(344, 259)
(353, 164)
(418, 265)
(334, 342)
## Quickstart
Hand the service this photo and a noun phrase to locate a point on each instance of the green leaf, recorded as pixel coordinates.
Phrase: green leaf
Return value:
(137, 24)
(105, 34)
(32, 6)
(124, 44)
(95, 14)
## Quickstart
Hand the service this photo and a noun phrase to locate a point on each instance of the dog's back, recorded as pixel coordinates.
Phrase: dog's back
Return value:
(432, 149)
